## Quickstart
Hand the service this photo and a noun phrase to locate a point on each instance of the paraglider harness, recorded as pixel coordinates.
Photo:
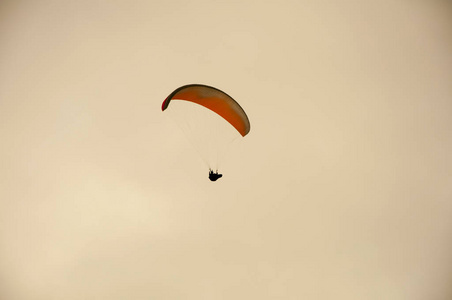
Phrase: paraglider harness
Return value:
(214, 176)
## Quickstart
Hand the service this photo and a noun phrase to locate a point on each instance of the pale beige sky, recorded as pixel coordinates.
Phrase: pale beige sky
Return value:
(342, 189)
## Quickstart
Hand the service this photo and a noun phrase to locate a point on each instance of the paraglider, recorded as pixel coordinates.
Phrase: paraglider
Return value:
(206, 114)
(214, 176)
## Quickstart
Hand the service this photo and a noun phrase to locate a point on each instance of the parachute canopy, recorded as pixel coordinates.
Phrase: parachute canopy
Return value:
(215, 100)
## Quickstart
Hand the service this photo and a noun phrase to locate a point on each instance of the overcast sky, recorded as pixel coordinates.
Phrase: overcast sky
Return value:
(341, 190)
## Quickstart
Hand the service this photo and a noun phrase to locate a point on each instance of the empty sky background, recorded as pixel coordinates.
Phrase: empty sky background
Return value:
(342, 189)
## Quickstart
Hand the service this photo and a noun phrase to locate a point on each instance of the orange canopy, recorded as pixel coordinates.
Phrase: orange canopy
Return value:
(215, 100)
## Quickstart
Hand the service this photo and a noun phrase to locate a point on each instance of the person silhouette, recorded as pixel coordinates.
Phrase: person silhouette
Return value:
(214, 176)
